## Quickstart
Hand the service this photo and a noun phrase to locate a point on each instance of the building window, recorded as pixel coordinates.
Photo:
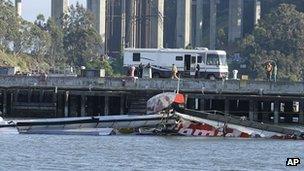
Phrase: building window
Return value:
(179, 58)
(136, 56)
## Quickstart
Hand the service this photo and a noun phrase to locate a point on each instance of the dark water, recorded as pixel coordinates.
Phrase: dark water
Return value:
(49, 152)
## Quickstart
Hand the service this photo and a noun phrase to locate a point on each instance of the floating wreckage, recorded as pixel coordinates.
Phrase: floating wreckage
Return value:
(201, 123)
(7, 127)
(166, 115)
(99, 125)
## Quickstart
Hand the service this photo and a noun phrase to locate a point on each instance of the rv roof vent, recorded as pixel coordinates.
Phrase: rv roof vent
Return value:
(201, 48)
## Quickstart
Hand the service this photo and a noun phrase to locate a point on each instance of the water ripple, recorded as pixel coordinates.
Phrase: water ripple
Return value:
(49, 152)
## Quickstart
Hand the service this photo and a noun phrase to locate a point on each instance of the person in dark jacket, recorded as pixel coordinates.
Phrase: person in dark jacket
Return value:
(197, 69)
(140, 70)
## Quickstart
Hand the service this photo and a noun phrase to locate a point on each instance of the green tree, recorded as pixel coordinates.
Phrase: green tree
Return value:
(22, 43)
(82, 43)
(9, 24)
(280, 38)
(40, 21)
(40, 41)
(31, 39)
(107, 66)
(222, 39)
(117, 65)
(56, 51)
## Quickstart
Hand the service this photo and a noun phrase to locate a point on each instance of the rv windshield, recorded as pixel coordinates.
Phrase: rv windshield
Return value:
(216, 59)
(212, 59)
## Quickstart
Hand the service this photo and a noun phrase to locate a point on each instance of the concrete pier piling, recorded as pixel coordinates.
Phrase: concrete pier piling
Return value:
(253, 110)
(83, 106)
(301, 112)
(276, 115)
(227, 105)
(4, 104)
(106, 106)
(66, 104)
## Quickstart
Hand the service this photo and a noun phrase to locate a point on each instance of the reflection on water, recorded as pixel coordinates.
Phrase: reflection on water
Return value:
(51, 152)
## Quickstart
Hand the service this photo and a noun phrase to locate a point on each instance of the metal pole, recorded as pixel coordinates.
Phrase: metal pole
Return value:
(178, 81)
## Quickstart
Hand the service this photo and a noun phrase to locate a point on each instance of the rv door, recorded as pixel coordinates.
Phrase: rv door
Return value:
(201, 61)
(187, 63)
(193, 65)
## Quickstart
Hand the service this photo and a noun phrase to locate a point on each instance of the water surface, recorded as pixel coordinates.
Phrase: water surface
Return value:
(53, 152)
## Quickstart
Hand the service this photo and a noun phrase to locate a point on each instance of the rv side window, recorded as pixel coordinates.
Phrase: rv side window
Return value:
(136, 56)
(179, 58)
(199, 59)
(193, 59)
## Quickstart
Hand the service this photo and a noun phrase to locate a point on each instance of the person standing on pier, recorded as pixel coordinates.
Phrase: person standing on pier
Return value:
(132, 71)
(275, 72)
(197, 69)
(149, 70)
(174, 72)
(140, 70)
(269, 69)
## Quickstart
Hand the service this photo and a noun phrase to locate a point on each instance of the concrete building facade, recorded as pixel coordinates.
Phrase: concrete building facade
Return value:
(144, 23)
(183, 23)
(257, 11)
(156, 32)
(165, 23)
(18, 5)
(130, 40)
(235, 20)
(212, 21)
(98, 8)
(199, 23)
(58, 7)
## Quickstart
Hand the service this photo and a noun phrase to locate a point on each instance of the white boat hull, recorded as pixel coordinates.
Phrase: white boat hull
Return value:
(194, 126)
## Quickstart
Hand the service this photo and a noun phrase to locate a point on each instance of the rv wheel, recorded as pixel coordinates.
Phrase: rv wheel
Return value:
(155, 75)
(211, 77)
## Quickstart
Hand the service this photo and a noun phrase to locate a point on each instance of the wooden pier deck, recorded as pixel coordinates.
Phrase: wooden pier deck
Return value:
(29, 96)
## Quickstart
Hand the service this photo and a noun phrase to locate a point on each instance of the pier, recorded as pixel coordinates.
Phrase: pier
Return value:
(49, 97)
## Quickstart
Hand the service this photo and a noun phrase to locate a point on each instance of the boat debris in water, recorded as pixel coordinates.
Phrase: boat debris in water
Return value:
(166, 115)
(92, 125)
(7, 127)
(200, 123)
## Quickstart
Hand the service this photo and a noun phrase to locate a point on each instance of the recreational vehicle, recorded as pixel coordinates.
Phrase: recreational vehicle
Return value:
(212, 64)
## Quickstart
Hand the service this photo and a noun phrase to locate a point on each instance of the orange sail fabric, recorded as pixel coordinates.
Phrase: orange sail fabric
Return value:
(179, 98)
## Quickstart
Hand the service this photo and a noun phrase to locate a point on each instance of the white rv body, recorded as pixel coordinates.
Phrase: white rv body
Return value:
(212, 62)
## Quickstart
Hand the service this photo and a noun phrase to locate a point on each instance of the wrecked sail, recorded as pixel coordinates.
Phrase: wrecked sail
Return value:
(163, 101)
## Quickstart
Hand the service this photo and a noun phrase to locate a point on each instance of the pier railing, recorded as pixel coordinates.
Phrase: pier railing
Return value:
(128, 83)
